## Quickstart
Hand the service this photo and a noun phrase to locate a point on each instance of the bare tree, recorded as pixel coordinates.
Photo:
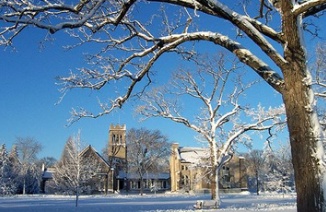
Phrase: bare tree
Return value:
(27, 150)
(47, 162)
(148, 151)
(212, 108)
(255, 162)
(275, 28)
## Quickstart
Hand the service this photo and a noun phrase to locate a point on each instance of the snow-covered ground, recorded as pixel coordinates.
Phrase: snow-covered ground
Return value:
(154, 203)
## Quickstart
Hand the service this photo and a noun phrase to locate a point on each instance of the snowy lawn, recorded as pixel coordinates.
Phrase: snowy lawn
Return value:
(154, 203)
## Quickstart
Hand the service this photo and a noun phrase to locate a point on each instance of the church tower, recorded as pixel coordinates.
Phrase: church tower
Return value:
(117, 142)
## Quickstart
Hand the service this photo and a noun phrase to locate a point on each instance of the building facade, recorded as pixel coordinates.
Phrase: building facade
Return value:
(190, 171)
(117, 142)
(117, 157)
(122, 179)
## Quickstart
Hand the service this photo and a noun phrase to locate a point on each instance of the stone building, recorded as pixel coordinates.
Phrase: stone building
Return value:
(117, 142)
(190, 171)
(117, 157)
(109, 173)
(122, 179)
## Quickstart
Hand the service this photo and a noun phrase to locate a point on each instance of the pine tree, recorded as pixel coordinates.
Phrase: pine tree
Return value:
(7, 185)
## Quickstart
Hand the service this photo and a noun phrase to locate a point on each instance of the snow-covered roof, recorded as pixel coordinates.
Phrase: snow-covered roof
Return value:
(194, 155)
(47, 173)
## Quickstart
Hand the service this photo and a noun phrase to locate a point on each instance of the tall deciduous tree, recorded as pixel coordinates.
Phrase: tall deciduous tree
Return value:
(214, 89)
(255, 162)
(148, 151)
(132, 45)
(47, 162)
(30, 174)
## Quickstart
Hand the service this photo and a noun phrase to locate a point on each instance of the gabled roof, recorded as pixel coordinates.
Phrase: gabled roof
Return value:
(48, 172)
(90, 148)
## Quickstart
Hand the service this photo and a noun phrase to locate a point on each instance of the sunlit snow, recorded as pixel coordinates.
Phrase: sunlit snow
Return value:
(149, 202)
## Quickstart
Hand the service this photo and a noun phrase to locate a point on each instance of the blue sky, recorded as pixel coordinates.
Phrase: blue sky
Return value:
(29, 96)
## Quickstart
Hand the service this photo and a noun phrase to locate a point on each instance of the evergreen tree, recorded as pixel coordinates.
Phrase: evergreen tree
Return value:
(7, 185)
(15, 166)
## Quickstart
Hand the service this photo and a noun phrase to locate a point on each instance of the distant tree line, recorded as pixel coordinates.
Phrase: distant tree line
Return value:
(20, 169)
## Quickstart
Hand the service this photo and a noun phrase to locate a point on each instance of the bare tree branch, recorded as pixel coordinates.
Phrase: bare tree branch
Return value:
(130, 44)
(309, 7)
(214, 106)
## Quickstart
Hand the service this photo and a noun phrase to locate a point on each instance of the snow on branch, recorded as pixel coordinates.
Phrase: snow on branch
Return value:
(319, 77)
(244, 24)
(136, 48)
(116, 69)
(308, 8)
(29, 14)
(213, 107)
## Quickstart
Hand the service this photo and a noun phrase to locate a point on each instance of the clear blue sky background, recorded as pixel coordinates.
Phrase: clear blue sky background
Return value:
(29, 95)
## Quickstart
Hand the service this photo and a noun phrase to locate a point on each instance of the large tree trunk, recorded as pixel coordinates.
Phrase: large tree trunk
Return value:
(304, 129)
(305, 146)
(214, 183)
(215, 175)
(215, 192)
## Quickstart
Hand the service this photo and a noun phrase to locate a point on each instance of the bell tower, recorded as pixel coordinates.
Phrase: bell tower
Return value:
(117, 142)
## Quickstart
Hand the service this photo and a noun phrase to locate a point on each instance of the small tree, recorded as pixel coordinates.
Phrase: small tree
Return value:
(256, 163)
(68, 175)
(148, 151)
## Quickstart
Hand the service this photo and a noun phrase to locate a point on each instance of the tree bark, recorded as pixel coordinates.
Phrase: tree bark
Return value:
(215, 195)
(304, 146)
(214, 182)
(302, 119)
